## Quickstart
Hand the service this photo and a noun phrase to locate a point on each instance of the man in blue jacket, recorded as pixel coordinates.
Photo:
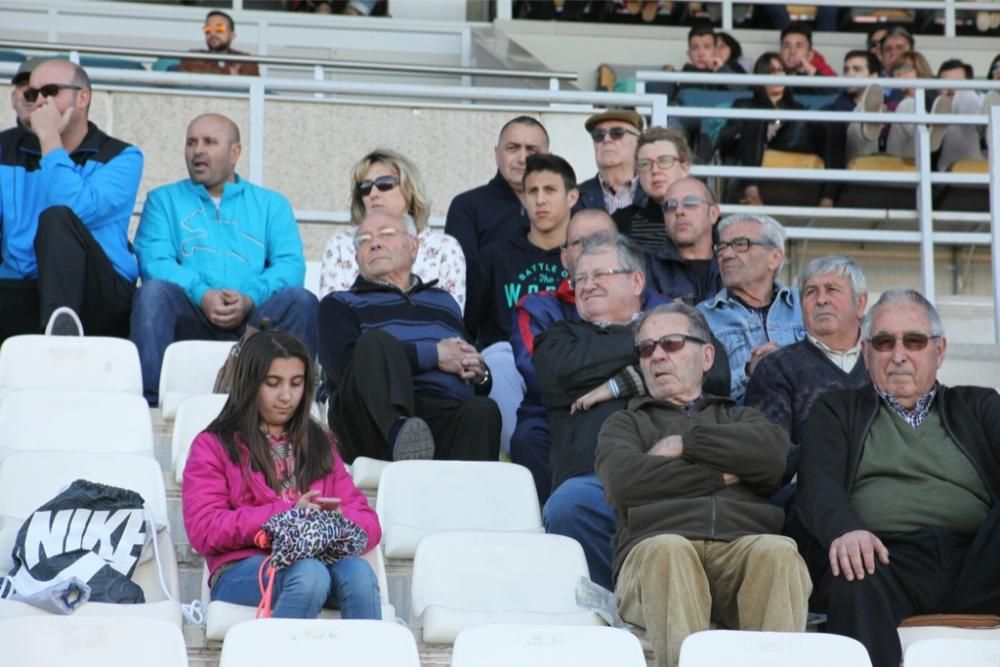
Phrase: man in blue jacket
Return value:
(217, 253)
(66, 194)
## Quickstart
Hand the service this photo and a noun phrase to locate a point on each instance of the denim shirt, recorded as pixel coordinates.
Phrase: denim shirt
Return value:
(740, 330)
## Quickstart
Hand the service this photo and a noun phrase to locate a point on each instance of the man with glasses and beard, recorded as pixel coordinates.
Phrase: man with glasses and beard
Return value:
(898, 484)
(688, 475)
(67, 191)
(220, 31)
(615, 135)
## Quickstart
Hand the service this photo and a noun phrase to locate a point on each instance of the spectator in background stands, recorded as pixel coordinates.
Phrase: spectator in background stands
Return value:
(217, 254)
(404, 381)
(799, 58)
(484, 215)
(787, 382)
(220, 31)
(874, 43)
(993, 73)
(729, 53)
(960, 142)
(896, 41)
(754, 314)
(899, 142)
(662, 157)
(519, 265)
(701, 49)
(615, 135)
(826, 17)
(387, 180)
(67, 191)
(20, 82)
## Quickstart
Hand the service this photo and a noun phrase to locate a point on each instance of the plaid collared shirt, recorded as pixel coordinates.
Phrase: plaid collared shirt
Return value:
(918, 414)
(620, 198)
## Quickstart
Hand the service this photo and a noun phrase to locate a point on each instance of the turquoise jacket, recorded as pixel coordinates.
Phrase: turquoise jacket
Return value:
(250, 242)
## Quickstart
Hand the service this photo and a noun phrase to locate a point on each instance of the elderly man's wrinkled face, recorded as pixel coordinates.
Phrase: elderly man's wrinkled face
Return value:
(745, 256)
(673, 364)
(616, 145)
(516, 143)
(902, 357)
(606, 291)
(384, 249)
(830, 307)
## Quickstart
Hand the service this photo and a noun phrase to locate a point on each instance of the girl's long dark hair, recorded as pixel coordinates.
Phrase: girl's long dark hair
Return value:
(763, 66)
(239, 421)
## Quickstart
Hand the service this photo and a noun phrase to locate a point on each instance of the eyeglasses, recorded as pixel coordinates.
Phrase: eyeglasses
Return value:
(741, 244)
(616, 133)
(914, 342)
(670, 343)
(48, 90)
(383, 235)
(664, 162)
(581, 279)
(218, 27)
(776, 70)
(689, 202)
(383, 183)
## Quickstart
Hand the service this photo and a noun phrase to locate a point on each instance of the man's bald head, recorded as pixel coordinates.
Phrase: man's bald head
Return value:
(583, 225)
(218, 121)
(73, 91)
(211, 150)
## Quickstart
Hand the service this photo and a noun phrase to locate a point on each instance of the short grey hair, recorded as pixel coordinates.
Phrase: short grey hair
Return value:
(903, 295)
(630, 256)
(838, 264)
(405, 218)
(772, 230)
(698, 324)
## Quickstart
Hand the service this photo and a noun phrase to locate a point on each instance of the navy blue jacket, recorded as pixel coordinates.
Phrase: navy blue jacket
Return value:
(592, 196)
(482, 216)
(672, 277)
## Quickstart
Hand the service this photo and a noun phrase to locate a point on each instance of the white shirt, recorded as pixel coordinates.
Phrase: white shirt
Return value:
(844, 360)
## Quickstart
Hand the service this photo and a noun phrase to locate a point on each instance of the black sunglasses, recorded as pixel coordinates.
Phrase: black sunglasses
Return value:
(616, 133)
(48, 90)
(383, 183)
(914, 342)
(670, 343)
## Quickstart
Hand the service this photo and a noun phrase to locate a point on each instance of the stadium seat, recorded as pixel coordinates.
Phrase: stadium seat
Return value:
(76, 421)
(712, 648)
(948, 626)
(418, 498)
(367, 472)
(30, 479)
(465, 579)
(221, 616)
(545, 646)
(953, 651)
(88, 641)
(774, 159)
(193, 415)
(312, 278)
(88, 363)
(109, 62)
(166, 65)
(879, 195)
(189, 369)
(282, 641)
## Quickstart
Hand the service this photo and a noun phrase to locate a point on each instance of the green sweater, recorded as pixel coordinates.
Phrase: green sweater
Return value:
(912, 478)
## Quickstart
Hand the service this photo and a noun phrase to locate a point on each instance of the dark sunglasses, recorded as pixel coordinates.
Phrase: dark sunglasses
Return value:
(383, 183)
(48, 90)
(670, 343)
(616, 133)
(914, 342)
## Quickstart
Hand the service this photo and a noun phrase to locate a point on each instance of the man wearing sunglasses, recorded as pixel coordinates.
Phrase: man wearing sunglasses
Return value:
(220, 31)
(22, 110)
(66, 195)
(688, 475)
(615, 135)
(899, 483)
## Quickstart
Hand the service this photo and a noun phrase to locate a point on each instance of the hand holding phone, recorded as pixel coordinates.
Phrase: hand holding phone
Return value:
(329, 504)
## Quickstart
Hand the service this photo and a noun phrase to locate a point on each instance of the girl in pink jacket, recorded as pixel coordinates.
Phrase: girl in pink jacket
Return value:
(263, 455)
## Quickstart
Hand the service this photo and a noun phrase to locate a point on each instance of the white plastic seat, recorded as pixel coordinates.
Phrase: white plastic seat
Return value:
(220, 617)
(30, 479)
(282, 641)
(418, 498)
(88, 641)
(983, 652)
(60, 420)
(313, 273)
(546, 645)
(712, 648)
(913, 635)
(193, 415)
(189, 369)
(466, 579)
(84, 363)
(367, 472)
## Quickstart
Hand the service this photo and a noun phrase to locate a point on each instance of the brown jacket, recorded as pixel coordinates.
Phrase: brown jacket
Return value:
(215, 65)
(687, 496)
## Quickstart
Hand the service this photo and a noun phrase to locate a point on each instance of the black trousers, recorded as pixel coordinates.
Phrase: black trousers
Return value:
(932, 570)
(73, 271)
(376, 388)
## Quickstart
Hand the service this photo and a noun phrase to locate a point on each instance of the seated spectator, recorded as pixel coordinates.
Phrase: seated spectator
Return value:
(261, 457)
(404, 382)
(217, 254)
(754, 314)
(960, 142)
(787, 382)
(386, 180)
(746, 141)
(909, 65)
(662, 157)
(800, 59)
(729, 53)
(826, 17)
(22, 110)
(873, 43)
(484, 215)
(220, 31)
(993, 73)
(701, 50)
(688, 475)
(685, 267)
(615, 134)
(896, 41)
(898, 484)
(67, 191)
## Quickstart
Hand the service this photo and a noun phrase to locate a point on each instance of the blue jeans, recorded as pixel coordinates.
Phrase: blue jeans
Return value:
(577, 509)
(305, 587)
(159, 304)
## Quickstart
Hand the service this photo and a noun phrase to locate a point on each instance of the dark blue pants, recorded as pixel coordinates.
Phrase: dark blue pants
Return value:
(577, 509)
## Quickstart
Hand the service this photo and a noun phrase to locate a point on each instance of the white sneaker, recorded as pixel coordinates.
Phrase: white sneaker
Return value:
(942, 104)
(872, 101)
(64, 322)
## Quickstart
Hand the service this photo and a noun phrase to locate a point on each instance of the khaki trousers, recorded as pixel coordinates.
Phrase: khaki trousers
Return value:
(674, 587)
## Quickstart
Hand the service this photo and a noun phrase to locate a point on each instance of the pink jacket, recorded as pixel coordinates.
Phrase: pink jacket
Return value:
(225, 504)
